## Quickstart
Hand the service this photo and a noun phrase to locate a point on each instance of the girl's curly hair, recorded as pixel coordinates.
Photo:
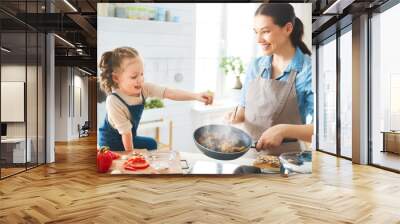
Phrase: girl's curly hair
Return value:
(111, 61)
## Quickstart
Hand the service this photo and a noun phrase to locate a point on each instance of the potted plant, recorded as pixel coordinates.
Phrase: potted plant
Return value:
(233, 65)
(153, 103)
(153, 110)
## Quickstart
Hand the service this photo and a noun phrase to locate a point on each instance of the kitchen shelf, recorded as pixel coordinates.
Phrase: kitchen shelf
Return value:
(117, 24)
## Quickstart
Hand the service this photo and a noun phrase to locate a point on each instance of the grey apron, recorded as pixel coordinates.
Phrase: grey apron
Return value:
(270, 102)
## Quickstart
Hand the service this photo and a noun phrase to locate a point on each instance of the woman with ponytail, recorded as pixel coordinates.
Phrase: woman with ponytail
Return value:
(277, 97)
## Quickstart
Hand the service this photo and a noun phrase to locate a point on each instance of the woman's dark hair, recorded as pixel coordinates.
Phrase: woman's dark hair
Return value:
(283, 13)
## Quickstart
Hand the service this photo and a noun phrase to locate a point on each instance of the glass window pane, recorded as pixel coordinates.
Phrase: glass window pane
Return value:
(346, 94)
(385, 89)
(31, 98)
(22, 88)
(41, 98)
(327, 97)
(13, 85)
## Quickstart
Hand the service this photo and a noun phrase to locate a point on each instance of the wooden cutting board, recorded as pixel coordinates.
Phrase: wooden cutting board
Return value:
(173, 166)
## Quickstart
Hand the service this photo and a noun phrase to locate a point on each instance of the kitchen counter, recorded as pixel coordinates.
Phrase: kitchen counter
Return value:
(200, 164)
(174, 162)
(161, 162)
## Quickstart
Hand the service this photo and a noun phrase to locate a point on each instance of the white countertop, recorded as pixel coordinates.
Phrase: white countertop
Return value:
(201, 164)
(221, 105)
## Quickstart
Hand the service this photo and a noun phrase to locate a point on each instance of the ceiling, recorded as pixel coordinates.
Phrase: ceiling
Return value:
(76, 26)
(332, 15)
(76, 23)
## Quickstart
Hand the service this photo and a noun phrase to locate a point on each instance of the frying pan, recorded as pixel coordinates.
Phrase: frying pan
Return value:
(222, 133)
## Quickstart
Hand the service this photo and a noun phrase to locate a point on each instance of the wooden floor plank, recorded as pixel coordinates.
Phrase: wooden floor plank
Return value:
(71, 191)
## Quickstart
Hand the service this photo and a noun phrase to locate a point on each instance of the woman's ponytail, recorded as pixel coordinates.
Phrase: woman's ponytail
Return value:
(297, 36)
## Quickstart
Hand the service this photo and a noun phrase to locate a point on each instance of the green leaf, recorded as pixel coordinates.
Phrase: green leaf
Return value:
(232, 64)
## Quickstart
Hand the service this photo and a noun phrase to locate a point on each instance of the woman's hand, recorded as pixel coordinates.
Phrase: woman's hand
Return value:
(235, 118)
(272, 137)
(205, 97)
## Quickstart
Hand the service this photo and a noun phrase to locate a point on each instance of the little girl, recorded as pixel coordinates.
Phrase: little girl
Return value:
(122, 78)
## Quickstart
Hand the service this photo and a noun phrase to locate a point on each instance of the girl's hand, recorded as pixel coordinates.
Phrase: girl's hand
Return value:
(205, 97)
(272, 137)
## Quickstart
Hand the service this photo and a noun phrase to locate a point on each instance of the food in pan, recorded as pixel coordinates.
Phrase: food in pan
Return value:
(229, 147)
(221, 144)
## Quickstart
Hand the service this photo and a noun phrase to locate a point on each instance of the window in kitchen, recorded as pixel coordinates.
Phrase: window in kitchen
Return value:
(224, 30)
(239, 39)
(326, 95)
(208, 42)
(385, 89)
(220, 31)
(346, 92)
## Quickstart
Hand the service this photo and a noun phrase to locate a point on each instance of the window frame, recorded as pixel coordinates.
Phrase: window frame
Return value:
(333, 37)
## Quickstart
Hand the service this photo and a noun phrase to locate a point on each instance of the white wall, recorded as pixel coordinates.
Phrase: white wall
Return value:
(67, 81)
(61, 103)
(17, 73)
(167, 49)
(34, 124)
(304, 12)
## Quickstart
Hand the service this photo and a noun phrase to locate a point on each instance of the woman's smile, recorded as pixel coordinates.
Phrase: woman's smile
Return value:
(265, 46)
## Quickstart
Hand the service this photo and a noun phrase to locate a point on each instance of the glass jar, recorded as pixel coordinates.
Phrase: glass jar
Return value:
(161, 160)
(298, 162)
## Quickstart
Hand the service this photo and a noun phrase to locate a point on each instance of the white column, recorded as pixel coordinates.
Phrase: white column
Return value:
(50, 101)
(360, 90)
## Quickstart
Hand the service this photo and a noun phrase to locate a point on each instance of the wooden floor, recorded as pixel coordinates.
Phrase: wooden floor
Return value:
(71, 191)
(10, 171)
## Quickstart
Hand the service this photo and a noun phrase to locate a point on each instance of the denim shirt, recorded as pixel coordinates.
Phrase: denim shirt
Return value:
(302, 64)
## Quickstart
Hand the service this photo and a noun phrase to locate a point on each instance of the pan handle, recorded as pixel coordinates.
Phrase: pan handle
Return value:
(254, 145)
(285, 140)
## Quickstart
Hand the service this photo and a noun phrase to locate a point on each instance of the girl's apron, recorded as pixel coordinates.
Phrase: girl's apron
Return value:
(109, 136)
